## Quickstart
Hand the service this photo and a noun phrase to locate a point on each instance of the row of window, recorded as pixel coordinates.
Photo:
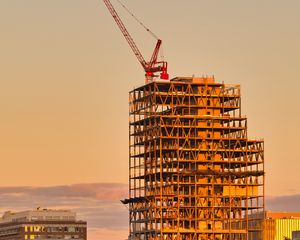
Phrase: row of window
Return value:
(52, 229)
(53, 237)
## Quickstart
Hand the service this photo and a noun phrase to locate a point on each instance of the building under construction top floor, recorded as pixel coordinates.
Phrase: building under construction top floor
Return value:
(193, 173)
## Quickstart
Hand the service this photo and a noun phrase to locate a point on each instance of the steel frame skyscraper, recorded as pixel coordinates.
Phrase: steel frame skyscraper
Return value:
(193, 172)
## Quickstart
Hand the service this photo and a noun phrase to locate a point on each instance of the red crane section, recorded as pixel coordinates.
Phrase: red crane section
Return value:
(151, 67)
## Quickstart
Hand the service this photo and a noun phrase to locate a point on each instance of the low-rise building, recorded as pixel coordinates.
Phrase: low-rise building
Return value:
(41, 224)
(280, 225)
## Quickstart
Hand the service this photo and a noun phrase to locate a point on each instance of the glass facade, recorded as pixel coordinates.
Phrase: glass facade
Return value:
(43, 230)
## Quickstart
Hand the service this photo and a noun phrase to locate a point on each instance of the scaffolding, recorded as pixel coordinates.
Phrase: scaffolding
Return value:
(193, 173)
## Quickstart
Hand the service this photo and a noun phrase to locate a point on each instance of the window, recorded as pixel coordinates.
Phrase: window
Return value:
(71, 229)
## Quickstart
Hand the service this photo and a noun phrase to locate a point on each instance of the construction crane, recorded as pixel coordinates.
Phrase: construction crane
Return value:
(153, 66)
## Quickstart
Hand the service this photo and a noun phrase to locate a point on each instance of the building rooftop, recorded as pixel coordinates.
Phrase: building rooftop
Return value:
(282, 215)
(38, 214)
(206, 79)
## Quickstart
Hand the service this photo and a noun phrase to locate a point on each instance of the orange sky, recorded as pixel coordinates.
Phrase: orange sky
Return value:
(66, 70)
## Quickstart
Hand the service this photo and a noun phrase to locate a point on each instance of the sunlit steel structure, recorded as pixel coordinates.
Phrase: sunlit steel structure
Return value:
(193, 172)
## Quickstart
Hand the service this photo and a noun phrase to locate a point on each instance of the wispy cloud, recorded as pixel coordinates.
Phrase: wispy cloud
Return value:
(97, 203)
(289, 203)
(101, 191)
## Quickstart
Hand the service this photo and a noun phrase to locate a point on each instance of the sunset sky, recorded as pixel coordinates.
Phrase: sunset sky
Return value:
(65, 74)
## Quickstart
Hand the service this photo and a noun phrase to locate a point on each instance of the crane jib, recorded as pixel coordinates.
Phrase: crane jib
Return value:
(153, 65)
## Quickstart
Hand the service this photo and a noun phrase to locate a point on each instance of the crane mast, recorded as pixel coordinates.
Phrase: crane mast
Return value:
(153, 66)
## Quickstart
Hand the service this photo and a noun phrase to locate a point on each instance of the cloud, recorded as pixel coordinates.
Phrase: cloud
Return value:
(288, 203)
(101, 191)
(97, 203)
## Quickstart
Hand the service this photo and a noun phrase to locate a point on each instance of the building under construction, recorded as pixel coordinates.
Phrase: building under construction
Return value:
(193, 173)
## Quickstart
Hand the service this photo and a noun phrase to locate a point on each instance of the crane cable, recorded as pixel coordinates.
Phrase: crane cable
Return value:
(147, 29)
